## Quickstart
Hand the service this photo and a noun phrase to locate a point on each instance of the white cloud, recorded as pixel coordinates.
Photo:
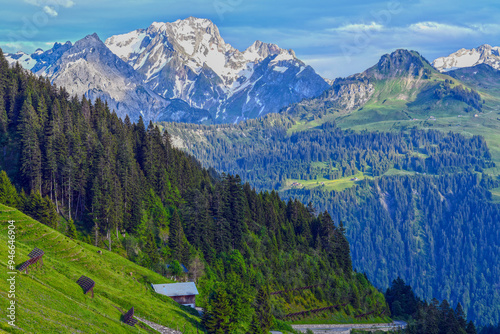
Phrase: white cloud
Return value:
(50, 11)
(54, 3)
(441, 29)
(357, 27)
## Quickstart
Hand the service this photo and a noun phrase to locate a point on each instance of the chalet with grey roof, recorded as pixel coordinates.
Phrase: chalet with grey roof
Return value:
(183, 293)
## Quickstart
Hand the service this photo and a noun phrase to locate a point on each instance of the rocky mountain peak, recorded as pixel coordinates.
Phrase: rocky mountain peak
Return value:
(399, 63)
(262, 50)
(88, 41)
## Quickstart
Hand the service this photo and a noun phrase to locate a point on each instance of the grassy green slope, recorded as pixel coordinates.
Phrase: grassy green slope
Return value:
(50, 301)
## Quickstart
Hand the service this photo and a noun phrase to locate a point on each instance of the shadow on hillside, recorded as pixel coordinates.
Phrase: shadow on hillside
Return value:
(190, 320)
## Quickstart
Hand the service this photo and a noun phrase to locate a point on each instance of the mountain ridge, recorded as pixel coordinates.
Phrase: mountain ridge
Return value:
(186, 60)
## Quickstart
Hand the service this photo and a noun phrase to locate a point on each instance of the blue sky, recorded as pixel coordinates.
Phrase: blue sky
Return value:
(337, 38)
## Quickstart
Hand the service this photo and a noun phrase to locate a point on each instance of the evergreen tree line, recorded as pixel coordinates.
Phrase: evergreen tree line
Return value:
(424, 317)
(471, 97)
(265, 155)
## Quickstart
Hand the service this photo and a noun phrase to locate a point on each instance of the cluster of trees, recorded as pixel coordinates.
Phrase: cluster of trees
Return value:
(34, 205)
(423, 317)
(471, 97)
(114, 179)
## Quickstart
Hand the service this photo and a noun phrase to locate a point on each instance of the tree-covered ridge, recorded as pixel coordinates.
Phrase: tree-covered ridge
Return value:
(129, 190)
(265, 155)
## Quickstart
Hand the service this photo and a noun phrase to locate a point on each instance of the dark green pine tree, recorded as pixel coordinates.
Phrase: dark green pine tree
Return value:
(431, 321)
(460, 316)
(326, 232)
(343, 249)
(471, 329)
(235, 213)
(71, 230)
(4, 121)
(262, 319)
(216, 319)
(8, 193)
(42, 112)
(448, 322)
(49, 216)
(151, 250)
(176, 236)
(31, 155)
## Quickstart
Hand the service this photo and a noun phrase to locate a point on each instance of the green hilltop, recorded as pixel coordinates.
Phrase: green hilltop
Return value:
(408, 92)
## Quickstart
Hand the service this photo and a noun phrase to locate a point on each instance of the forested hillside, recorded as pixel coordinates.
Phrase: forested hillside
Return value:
(126, 188)
(421, 200)
(328, 152)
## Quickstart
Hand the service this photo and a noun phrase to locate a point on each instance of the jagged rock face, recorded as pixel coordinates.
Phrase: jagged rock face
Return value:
(399, 63)
(189, 60)
(485, 54)
(350, 94)
(345, 95)
(407, 68)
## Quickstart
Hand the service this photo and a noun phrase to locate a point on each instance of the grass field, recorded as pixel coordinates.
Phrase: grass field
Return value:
(329, 185)
(49, 300)
(393, 171)
(495, 195)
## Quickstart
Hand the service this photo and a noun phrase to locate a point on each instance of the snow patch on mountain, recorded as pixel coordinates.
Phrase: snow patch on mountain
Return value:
(485, 54)
(25, 60)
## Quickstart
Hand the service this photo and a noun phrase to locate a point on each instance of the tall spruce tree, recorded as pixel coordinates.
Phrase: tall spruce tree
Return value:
(8, 193)
(217, 317)
(176, 236)
(262, 319)
(31, 156)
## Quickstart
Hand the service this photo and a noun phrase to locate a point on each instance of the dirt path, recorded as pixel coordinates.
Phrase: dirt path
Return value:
(160, 328)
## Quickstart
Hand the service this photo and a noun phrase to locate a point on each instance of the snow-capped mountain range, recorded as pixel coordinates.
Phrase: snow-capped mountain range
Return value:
(187, 61)
(485, 54)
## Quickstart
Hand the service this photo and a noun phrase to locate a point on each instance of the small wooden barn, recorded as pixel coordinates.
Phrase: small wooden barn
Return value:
(183, 293)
